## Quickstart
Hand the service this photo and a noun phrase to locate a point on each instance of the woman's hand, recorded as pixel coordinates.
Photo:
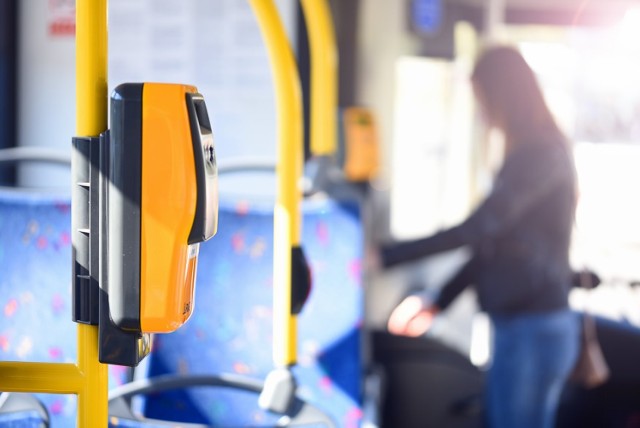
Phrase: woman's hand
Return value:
(412, 317)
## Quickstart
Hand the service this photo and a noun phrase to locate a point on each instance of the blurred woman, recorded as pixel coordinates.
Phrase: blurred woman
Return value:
(520, 238)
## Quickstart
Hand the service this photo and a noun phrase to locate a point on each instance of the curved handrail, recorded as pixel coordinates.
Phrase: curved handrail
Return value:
(35, 154)
(243, 164)
(168, 382)
(301, 414)
(289, 168)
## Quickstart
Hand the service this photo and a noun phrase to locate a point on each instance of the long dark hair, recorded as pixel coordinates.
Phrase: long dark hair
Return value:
(512, 97)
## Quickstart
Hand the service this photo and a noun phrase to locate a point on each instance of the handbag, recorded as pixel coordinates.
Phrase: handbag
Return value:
(591, 369)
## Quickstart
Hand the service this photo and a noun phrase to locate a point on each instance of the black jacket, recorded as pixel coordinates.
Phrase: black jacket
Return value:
(520, 235)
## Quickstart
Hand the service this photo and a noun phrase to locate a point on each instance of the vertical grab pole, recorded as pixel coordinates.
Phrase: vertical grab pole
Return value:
(324, 76)
(91, 120)
(289, 172)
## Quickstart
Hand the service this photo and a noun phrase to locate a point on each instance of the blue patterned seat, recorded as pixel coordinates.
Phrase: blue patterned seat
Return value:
(24, 419)
(231, 328)
(35, 294)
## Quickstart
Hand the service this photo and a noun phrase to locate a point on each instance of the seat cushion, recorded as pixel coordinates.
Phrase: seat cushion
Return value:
(231, 331)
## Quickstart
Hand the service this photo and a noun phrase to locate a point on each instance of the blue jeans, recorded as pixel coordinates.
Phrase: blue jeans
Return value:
(533, 357)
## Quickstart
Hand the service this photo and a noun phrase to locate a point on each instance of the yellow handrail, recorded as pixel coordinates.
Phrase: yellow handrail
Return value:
(289, 172)
(40, 377)
(91, 67)
(324, 76)
(91, 120)
(88, 378)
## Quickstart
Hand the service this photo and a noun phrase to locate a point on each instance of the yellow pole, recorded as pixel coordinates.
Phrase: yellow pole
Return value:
(91, 120)
(88, 378)
(91, 67)
(289, 170)
(324, 76)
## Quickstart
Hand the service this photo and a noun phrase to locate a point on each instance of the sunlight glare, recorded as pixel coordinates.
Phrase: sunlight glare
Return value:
(629, 29)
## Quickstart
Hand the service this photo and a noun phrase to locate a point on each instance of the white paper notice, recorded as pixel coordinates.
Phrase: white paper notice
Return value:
(215, 45)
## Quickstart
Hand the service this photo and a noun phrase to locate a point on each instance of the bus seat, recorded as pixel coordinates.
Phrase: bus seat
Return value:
(428, 384)
(22, 411)
(231, 328)
(22, 419)
(35, 292)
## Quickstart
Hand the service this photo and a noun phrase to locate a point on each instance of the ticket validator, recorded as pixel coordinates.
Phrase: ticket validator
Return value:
(156, 182)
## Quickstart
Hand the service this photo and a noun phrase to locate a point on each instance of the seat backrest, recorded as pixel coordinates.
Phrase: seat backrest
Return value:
(35, 293)
(231, 328)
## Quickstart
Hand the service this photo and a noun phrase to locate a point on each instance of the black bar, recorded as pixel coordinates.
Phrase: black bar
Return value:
(345, 15)
(303, 55)
(8, 83)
